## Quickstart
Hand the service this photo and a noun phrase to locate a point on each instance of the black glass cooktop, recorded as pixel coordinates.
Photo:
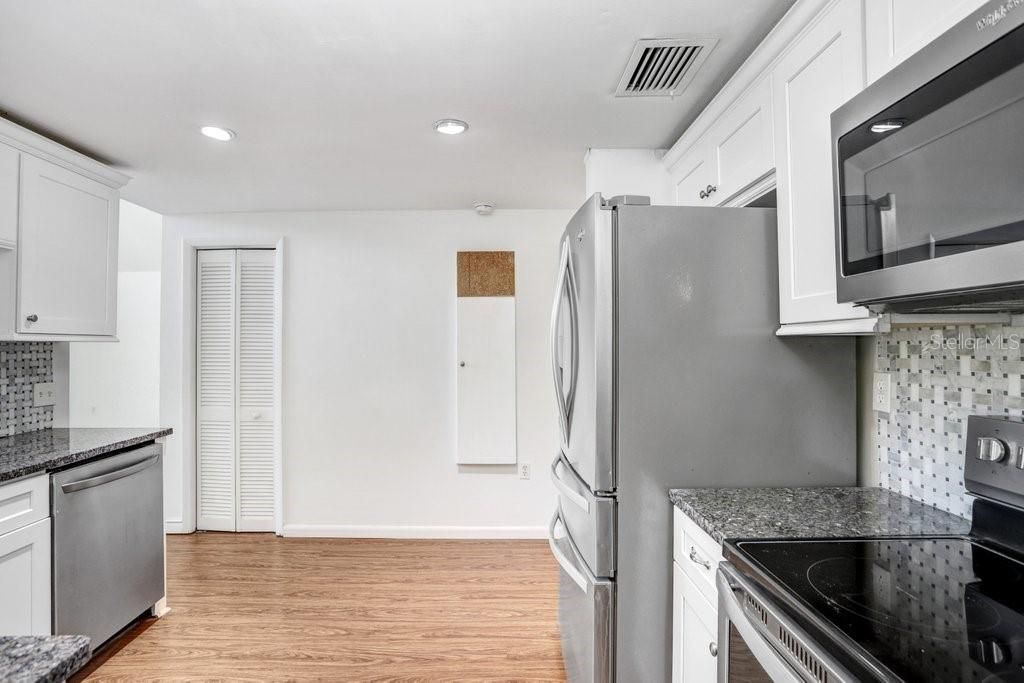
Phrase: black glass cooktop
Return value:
(927, 609)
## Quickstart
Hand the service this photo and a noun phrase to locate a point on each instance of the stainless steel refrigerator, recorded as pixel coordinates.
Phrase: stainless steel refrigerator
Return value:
(668, 373)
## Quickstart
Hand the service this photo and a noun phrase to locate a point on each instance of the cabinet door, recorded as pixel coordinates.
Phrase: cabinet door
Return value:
(67, 245)
(742, 141)
(693, 175)
(897, 29)
(694, 629)
(25, 580)
(9, 158)
(821, 71)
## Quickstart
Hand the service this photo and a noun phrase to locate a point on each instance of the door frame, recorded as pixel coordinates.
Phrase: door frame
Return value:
(189, 450)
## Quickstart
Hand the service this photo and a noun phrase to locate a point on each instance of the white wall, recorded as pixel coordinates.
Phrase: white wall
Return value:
(369, 369)
(628, 171)
(118, 385)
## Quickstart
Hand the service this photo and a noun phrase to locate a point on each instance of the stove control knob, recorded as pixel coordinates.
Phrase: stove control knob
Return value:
(991, 449)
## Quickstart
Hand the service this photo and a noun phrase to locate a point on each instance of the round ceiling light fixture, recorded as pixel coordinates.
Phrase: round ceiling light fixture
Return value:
(217, 133)
(451, 126)
(484, 208)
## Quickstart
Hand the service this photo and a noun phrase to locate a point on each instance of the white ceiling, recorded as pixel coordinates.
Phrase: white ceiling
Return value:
(333, 100)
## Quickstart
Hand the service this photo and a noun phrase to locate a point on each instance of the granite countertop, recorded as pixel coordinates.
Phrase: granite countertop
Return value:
(41, 659)
(814, 512)
(51, 449)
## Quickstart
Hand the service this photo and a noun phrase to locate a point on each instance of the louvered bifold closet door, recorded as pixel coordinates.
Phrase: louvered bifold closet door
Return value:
(216, 313)
(256, 318)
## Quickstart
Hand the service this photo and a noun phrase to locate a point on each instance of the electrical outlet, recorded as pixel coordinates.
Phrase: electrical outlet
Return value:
(881, 393)
(44, 394)
(524, 470)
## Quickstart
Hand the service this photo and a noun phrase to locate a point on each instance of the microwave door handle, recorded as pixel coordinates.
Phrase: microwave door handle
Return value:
(730, 612)
(886, 208)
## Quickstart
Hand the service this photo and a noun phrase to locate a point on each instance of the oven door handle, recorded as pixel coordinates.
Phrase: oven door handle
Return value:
(730, 611)
(108, 477)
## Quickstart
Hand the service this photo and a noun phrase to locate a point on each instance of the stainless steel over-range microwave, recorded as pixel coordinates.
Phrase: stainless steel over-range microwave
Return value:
(928, 174)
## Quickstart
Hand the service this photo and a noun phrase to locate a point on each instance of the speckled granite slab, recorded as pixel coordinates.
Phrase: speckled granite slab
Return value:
(41, 659)
(50, 449)
(819, 512)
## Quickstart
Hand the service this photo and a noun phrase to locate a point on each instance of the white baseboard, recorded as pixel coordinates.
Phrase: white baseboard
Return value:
(381, 531)
(176, 528)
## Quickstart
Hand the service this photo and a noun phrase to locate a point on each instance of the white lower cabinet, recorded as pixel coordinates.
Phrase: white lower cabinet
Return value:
(694, 603)
(25, 580)
(694, 632)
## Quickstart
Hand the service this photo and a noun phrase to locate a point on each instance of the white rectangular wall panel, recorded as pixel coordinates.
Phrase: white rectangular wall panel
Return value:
(486, 343)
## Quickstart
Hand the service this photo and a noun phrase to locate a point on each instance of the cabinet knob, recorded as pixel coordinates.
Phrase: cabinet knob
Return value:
(32, 318)
(713, 649)
(462, 364)
(711, 189)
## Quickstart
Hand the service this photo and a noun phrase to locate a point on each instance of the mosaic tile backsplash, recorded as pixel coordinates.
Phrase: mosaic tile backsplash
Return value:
(22, 364)
(942, 375)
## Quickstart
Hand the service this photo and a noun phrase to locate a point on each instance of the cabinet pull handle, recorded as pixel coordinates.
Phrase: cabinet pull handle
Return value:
(694, 557)
(32, 318)
(713, 649)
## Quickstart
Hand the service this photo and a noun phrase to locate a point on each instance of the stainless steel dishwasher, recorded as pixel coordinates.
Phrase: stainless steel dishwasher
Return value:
(108, 542)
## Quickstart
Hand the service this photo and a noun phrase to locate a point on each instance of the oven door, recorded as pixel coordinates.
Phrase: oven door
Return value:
(758, 643)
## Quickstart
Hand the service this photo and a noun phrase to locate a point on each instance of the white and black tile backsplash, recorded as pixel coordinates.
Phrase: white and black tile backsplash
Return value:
(23, 364)
(941, 376)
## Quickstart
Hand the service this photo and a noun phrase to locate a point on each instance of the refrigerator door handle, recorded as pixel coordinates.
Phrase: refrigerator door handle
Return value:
(566, 284)
(566, 489)
(569, 565)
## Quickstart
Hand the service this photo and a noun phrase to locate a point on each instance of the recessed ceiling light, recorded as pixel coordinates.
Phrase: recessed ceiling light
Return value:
(217, 133)
(450, 126)
(888, 125)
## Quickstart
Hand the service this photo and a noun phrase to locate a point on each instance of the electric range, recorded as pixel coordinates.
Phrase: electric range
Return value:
(894, 608)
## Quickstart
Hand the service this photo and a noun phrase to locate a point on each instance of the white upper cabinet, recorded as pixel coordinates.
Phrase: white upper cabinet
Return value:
(898, 28)
(693, 176)
(742, 141)
(735, 153)
(68, 252)
(9, 170)
(823, 69)
(58, 241)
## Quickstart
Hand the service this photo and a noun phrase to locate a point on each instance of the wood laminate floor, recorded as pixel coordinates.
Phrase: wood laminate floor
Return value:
(257, 607)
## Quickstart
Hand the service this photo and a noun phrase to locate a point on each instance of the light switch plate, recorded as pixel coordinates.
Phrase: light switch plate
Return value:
(881, 393)
(44, 394)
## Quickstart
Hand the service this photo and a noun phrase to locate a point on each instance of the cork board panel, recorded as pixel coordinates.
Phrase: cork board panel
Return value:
(487, 273)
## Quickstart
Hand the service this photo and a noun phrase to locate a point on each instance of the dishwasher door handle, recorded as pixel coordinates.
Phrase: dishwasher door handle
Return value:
(108, 477)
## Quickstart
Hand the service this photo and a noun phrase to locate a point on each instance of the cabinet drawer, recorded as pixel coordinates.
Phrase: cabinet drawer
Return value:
(697, 553)
(23, 502)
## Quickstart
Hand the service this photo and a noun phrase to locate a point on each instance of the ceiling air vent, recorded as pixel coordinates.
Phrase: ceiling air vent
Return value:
(663, 67)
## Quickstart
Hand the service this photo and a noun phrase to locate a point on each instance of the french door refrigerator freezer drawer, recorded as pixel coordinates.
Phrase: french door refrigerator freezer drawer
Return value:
(589, 519)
